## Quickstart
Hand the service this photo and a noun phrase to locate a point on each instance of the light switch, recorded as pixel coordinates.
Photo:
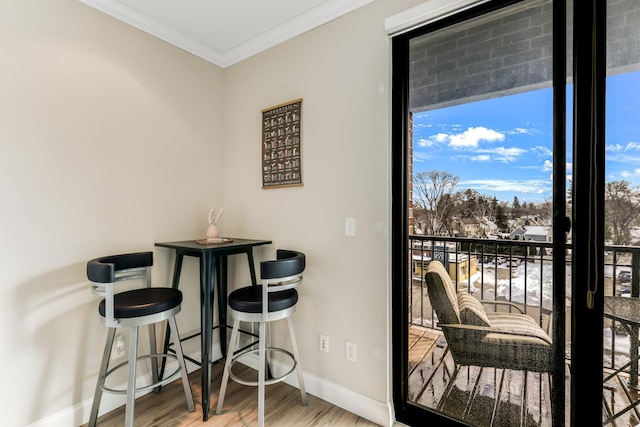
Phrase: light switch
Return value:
(350, 227)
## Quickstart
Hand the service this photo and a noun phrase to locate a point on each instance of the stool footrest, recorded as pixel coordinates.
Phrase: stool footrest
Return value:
(159, 383)
(269, 381)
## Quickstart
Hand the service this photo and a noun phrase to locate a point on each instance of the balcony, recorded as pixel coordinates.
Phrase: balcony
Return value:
(519, 272)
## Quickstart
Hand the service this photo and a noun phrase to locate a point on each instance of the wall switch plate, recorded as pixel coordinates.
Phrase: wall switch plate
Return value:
(351, 351)
(350, 227)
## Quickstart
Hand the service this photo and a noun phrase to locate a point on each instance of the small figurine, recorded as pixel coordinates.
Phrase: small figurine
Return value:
(212, 230)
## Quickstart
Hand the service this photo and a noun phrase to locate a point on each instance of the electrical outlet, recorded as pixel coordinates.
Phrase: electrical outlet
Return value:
(117, 351)
(350, 349)
(324, 343)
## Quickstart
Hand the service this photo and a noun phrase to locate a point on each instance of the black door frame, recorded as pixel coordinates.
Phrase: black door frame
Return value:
(589, 75)
(588, 196)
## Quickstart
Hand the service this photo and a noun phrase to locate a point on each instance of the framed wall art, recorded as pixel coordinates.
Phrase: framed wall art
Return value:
(281, 157)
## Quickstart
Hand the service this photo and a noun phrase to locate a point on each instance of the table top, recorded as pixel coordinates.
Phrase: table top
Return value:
(623, 308)
(194, 246)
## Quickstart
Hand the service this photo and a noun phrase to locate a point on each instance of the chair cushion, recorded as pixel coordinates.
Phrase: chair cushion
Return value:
(518, 344)
(442, 293)
(143, 302)
(471, 310)
(249, 299)
(522, 325)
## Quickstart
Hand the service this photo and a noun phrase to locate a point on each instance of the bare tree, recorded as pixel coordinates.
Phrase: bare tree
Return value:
(469, 203)
(432, 192)
(474, 205)
(622, 204)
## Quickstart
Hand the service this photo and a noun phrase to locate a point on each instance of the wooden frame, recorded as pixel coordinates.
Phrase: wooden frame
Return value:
(281, 157)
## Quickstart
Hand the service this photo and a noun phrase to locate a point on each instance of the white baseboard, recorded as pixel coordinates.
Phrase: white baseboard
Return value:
(78, 414)
(378, 412)
(365, 407)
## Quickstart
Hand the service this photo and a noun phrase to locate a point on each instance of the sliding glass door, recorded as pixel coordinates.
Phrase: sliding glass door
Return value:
(515, 168)
(621, 214)
(480, 187)
(481, 202)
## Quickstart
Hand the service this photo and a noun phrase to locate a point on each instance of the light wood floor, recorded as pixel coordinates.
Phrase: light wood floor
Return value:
(283, 407)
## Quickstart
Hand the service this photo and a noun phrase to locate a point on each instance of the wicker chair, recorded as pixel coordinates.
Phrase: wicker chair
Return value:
(502, 340)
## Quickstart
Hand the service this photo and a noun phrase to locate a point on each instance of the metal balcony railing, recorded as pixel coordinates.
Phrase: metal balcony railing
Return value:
(517, 271)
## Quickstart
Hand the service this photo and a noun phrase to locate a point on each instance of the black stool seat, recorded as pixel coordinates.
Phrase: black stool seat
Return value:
(249, 299)
(140, 304)
(143, 302)
(274, 300)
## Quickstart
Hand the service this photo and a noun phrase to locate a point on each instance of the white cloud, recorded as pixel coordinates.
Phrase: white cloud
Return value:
(481, 158)
(441, 137)
(504, 154)
(547, 166)
(542, 151)
(421, 156)
(530, 186)
(633, 174)
(425, 142)
(472, 136)
(433, 140)
(520, 131)
(618, 148)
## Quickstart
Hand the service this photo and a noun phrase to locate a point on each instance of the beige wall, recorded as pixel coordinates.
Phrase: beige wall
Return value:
(109, 140)
(341, 71)
(89, 105)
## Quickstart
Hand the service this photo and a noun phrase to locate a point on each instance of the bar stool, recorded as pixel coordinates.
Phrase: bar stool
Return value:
(275, 299)
(132, 309)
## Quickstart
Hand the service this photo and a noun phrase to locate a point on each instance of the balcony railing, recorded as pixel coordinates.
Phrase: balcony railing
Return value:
(518, 271)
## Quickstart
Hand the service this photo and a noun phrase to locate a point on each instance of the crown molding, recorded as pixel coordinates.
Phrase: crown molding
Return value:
(328, 11)
(427, 12)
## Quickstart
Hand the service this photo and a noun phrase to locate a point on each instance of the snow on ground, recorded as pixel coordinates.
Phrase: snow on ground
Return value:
(539, 286)
(529, 283)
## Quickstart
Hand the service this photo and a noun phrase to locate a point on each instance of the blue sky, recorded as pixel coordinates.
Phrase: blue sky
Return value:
(503, 146)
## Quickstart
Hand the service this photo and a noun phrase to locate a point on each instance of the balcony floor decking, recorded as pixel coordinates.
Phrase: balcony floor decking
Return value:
(473, 396)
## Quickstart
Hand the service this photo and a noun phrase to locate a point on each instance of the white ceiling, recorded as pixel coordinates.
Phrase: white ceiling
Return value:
(225, 31)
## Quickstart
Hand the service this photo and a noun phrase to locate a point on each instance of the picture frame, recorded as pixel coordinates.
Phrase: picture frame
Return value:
(281, 155)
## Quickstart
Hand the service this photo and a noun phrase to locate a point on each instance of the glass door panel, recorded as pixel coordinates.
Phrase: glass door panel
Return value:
(622, 215)
(481, 205)
(482, 134)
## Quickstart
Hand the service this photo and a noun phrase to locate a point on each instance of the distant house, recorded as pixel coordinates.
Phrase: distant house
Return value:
(517, 234)
(538, 234)
(489, 228)
(470, 227)
(461, 267)
(533, 220)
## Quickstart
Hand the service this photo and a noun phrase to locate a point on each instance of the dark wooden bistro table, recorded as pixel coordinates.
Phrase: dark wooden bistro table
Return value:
(626, 311)
(213, 275)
